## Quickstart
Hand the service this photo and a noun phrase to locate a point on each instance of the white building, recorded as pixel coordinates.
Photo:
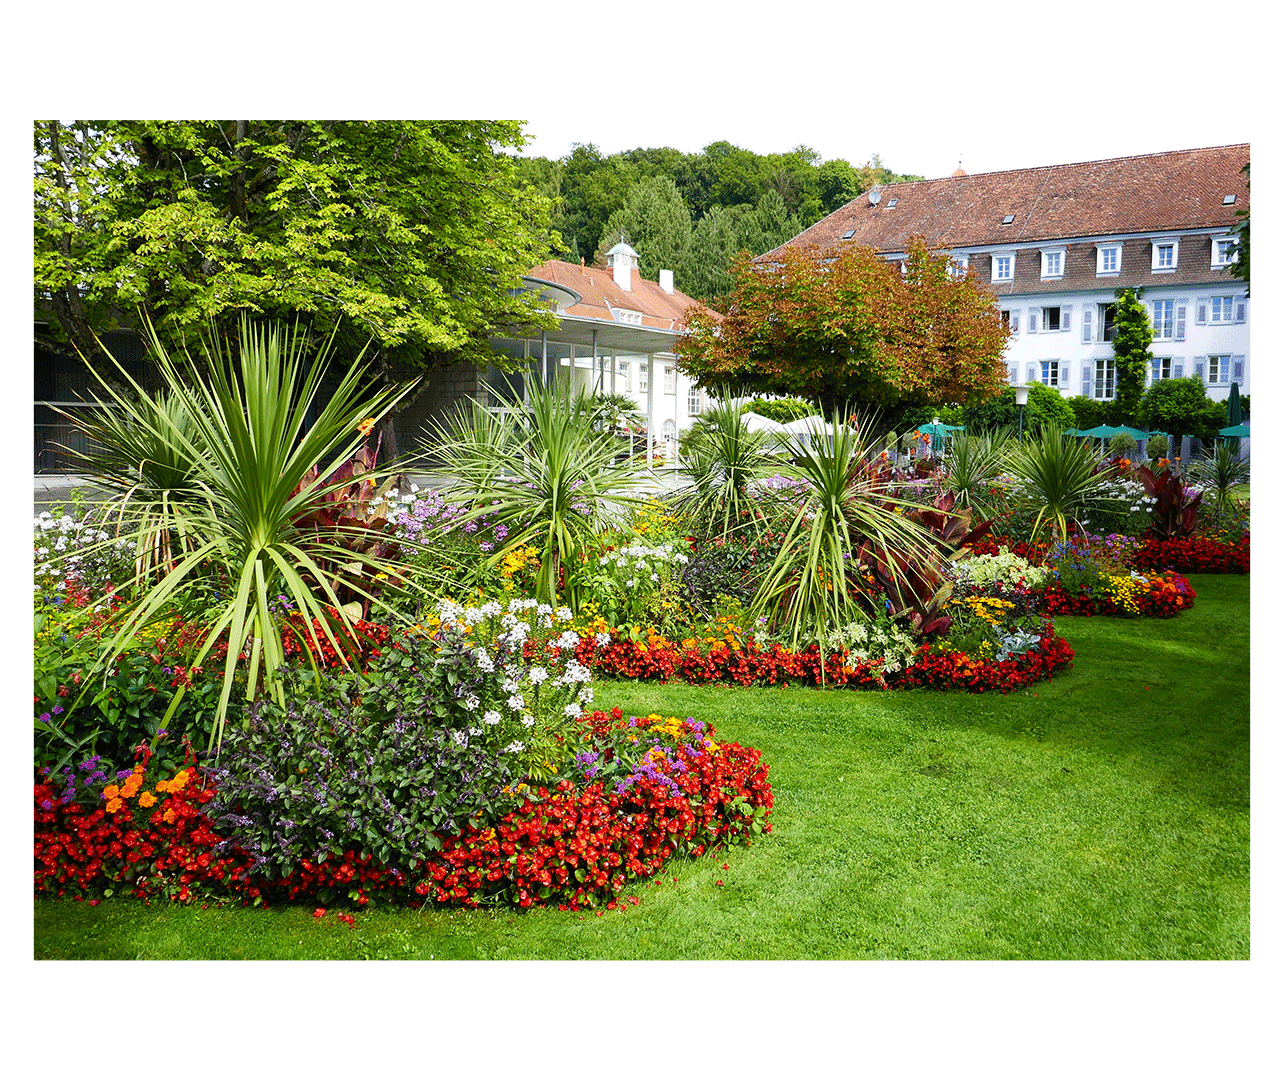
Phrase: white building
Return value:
(615, 333)
(1055, 243)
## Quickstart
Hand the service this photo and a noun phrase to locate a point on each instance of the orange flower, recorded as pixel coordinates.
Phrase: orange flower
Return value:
(111, 792)
(113, 805)
(365, 425)
(146, 799)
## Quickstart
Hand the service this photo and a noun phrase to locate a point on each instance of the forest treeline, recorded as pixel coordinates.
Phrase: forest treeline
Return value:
(691, 213)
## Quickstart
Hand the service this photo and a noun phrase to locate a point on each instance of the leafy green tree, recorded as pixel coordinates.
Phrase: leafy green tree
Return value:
(1093, 412)
(1239, 268)
(1181, 407)
(1133, 335)
(1045, 407)
(838, 184)
(706, 270)
(413, 234)
(655, 222)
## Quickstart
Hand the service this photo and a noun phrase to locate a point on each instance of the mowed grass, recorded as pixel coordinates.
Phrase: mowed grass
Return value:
(1102, 815)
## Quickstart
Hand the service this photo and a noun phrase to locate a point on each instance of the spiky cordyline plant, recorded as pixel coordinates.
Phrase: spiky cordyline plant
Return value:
(1060, 474)
(1221, 469)
(247, 481)
(814, 583)
(544, 470)
(972, 463)
(724, 459)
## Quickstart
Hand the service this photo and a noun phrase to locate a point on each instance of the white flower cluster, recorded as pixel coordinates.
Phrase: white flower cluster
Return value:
(82, 551)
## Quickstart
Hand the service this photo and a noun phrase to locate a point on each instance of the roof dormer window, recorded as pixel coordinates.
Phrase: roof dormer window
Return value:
(1163, 255)
(1109, 259)
(630, 318)
(1224, 251)
(1002, 265)
(1052, 263)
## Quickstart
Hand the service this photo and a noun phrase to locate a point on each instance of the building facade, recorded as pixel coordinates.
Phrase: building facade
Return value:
(1054, 244)
(616, 333)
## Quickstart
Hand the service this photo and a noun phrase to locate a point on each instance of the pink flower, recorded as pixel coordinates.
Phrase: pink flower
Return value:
(319, 913)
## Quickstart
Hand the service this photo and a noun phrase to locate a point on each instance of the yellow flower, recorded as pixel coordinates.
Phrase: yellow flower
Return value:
(365, 425)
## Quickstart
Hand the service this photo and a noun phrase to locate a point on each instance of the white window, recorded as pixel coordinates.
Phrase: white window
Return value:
(669, 433)
(695, 404)
(1161, 367)
(1162, 318)
(1048, 372)
(1224, 251)
(644, 378)
(1221, 309)
(622, 376)
(632, 318)
(1103, 385)
(1163, 256)
(1054, 263)
(1109, 257)
(668, 379)
(1219, 371)
(958, 266)
(1001, 265)
(1050, 318)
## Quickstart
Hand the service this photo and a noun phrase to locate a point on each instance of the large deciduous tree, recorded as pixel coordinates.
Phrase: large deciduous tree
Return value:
(846, 327)
(412, 233)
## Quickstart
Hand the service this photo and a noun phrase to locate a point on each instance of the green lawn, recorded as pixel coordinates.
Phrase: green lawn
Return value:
(1102, 815)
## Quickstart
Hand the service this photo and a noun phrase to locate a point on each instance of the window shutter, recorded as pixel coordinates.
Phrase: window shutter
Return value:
(1087, 323)
(1180, 333)
(1016, 321)
(1201, 311)
(1031, 373)
(1199, 367)
(1034, 320)
(1237, 369)
(1065, 317)
(1178, 364)
(1241, 309)
(1012, 370)
(1087, 379)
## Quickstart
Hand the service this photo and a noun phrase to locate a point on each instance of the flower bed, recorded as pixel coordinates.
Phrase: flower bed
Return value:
(577, 842)
(749, 664)
(1194, 555)
(1157, 596)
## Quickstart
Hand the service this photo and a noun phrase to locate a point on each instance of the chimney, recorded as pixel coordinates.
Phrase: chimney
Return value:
(623, 273)
(666, 281)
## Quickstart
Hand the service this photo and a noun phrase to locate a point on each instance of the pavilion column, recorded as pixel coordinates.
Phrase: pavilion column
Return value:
(650, 406)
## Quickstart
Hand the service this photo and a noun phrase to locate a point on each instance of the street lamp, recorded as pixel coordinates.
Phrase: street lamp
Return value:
(1022, 394)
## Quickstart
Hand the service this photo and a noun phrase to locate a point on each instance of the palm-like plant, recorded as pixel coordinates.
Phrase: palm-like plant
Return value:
(1220, 470)
(972, 463)
(545, 471)
(145, 460)
(723, 460)
(1060, 474)
(245, 469)
(848, 515)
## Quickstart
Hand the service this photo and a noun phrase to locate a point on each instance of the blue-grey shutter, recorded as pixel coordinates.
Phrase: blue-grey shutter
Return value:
(1179, 362)
(1087, 379)
(1031, 372)
(1201, 311)
(1241, 309)
(1034, 320)
(1199, 367)
(1237, 369)
(1065, 317)
(1087, 323)
(1180, 334)
(1012, 370)
(1015, 319)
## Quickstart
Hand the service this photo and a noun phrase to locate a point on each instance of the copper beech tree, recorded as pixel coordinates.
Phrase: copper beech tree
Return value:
(849, 329)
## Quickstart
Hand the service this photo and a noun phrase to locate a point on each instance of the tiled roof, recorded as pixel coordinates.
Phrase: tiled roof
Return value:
(1181, 189)
(601, 296)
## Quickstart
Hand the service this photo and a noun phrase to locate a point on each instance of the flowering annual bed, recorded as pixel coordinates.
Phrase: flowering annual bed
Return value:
(1157, 596)
(1194, 555)
(641, 792)
(747, 663)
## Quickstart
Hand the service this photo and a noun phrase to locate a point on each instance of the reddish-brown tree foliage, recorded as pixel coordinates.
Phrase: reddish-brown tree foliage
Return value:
(848, 328)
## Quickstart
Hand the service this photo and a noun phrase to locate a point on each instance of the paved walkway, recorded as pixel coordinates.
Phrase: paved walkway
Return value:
(53, 489)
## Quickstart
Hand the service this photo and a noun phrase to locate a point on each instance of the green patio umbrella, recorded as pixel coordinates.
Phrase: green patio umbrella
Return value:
(940, 431)
(1234, 411)
(1236, 431)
